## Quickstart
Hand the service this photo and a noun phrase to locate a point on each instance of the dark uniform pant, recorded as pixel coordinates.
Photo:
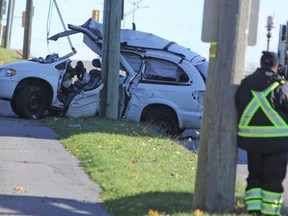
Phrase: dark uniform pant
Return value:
(264, 183)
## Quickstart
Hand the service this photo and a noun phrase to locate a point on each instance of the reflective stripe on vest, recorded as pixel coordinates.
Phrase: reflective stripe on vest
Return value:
(279, 127)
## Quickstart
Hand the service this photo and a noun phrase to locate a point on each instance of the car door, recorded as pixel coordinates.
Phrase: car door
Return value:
(163, 80)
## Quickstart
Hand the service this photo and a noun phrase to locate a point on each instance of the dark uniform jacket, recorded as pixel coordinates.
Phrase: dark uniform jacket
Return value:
(260, 80)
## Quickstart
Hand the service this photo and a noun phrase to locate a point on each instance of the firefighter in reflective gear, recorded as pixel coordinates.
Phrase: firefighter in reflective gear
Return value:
(262, 104)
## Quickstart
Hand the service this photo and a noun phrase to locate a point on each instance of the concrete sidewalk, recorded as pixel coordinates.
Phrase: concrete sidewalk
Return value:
(38, 176)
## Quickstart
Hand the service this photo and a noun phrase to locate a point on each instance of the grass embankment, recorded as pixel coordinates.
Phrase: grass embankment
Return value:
(8, 56)
(140, 172)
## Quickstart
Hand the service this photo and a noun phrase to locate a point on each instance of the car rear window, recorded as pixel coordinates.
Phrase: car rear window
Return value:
(134, 60)
(159, 69)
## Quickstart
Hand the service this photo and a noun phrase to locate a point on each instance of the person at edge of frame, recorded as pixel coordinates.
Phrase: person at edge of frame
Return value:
(262, 104)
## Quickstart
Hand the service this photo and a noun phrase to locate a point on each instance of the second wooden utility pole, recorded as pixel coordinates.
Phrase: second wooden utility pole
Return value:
(27, 29)
(111, 59)
(216, 169)
(10, 15)
(1, 13)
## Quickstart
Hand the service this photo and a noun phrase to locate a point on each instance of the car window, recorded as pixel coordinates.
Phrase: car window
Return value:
(134, 60)
(163, 70)
(122, 71)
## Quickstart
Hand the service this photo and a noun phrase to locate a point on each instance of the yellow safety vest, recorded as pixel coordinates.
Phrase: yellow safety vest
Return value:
(279, 127)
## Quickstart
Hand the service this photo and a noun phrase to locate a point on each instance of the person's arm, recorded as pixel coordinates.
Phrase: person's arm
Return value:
(281, 98)
(67, 81)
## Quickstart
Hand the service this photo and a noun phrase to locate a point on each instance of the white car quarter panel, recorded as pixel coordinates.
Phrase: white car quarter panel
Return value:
(7, 87)
(177, 97)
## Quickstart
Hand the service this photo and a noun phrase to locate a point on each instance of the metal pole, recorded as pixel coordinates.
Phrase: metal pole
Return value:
(134, 8)
(268, 41)
(132, 12)
(133, 19)
(269, 28)
(64, 26)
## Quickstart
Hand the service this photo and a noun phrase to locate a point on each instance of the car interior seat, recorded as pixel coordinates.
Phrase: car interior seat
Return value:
(95, 76)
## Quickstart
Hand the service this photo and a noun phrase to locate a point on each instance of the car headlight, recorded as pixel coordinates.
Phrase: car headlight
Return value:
(9, 72)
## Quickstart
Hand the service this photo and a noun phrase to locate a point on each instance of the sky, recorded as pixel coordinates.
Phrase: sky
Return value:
(180, 22)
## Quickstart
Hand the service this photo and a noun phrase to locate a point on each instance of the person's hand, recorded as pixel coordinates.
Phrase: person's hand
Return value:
(67, 83)
(78, 85)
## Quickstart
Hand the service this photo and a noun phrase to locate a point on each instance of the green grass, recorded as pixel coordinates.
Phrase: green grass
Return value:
(8, 55)
(140, 172)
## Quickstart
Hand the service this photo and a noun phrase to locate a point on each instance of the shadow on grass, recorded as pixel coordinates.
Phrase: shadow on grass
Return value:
(163, 202)
(66, 127)
(166, 203)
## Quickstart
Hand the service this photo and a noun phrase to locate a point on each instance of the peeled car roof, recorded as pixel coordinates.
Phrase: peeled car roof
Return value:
(139, 39)
(131, 38)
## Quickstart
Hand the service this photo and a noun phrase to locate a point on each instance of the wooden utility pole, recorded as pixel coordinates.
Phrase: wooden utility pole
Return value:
(1, 13)
(216, 169)
(27, 29)
(111, 59)
(9, 23)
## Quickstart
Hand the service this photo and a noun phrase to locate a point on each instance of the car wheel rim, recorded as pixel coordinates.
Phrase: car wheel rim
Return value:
(162, 125)
(34, 103)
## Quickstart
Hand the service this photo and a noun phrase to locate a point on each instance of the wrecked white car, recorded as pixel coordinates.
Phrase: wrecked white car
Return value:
(161, 82)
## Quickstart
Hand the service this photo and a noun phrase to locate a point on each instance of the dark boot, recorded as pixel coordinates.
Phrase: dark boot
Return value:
(255, 213)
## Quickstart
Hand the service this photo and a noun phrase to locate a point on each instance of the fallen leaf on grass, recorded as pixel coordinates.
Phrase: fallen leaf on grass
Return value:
(192, 157)
(153, 213)
(198, 212)
(240, 204)
(136, 152)
(136, 174)
(133, 161)
(19, 189)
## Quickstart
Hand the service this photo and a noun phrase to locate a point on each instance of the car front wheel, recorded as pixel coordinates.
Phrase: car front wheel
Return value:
(13, 106)
(31, 102)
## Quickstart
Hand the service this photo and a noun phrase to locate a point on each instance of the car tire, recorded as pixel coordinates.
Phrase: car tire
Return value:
(164, 120)
(31, 102)
(13, 106)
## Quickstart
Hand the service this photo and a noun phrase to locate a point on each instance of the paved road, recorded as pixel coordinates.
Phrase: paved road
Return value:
(38, 177)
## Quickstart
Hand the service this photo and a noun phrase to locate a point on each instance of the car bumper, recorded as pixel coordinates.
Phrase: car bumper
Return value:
(190, 120)
(7, 87)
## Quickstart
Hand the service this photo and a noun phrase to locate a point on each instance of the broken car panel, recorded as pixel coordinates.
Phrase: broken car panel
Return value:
(160, 81)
